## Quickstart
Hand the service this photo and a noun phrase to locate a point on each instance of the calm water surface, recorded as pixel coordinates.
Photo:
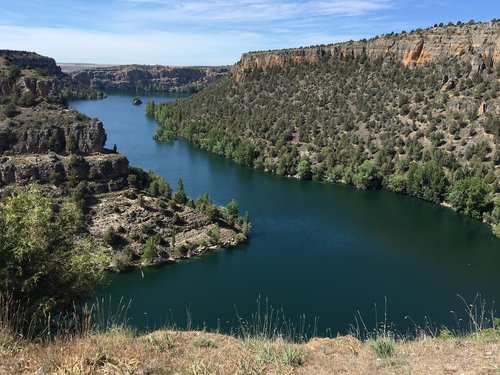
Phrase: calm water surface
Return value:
(326, 251)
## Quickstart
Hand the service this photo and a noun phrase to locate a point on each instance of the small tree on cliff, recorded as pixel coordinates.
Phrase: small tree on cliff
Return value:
(232, 212)
(180, 196)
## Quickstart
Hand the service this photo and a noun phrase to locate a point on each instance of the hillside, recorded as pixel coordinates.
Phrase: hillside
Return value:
(415, 113)
(62, 151)
(148, 78)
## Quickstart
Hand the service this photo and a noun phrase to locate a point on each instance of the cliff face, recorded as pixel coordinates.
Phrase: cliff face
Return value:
(471, 43)
(147, 77)
(105, 172)
(31, 60)
(87, 137)
(40, 139)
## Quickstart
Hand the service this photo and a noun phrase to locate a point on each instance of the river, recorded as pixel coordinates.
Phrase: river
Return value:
(319, 250)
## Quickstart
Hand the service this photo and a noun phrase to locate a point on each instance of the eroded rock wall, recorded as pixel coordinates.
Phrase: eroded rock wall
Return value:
(472, 43)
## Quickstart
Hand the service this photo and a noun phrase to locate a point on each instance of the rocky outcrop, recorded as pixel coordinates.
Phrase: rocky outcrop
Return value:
(98, 169)
(147, 77)
(472, 43)
(251, 61)
(40, 88)
(134, 216)
(84, 136)
(32, 60)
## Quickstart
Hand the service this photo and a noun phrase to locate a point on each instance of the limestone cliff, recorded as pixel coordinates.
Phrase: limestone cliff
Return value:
(32, 60)
(471, 43)
(146, 77)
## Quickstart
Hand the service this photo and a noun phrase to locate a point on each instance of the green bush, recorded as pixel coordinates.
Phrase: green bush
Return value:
(150, 108)
(13, 71)
(151, 249)
(427, 181)
(27, 99)
(9, 110)
(395, 183)
(470, 196)
(232, 212)
(111, 238)
(41, 266)
(304, 171)
(367, 176)
(180, 196)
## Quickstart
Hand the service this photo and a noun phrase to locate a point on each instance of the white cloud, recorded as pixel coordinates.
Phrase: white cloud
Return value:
(69, 45)
(165, 48)
(183, 32)
(247, 10)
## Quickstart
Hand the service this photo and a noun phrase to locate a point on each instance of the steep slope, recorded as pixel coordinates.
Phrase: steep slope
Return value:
(125, 209)
(148, 77)
(415, 113)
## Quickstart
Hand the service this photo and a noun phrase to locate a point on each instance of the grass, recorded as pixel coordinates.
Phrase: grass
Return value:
(203, 342)
(383, 346)
(108, 345)
(160, 341)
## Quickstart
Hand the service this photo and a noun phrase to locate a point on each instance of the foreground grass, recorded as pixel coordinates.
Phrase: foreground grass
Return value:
(119, 351)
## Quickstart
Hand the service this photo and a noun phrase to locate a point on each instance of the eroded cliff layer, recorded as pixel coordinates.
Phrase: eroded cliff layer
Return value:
(436, 45)
(148, 77)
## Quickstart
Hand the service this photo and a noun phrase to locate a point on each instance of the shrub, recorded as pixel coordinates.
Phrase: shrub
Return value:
(151, 248)
(9, 110)
(367, 176)
(427, 181)
(111, 238)
(41, 266)
(395, 183)
(304, 171)
(470, 196)
(180, 196)
(176, 220)
(27, 99)
(232, 212)
(13, 71)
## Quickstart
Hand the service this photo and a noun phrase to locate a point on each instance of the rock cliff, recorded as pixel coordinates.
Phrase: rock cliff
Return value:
(32, 60)
(471, 43)
(147, 77)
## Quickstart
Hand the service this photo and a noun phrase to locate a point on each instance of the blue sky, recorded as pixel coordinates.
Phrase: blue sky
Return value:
(210, 32)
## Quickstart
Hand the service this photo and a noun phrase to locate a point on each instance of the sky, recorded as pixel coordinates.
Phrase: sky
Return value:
(210, 32)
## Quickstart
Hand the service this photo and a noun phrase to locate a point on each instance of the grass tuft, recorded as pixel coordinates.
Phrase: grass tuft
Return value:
(384, 347)
(203, 342)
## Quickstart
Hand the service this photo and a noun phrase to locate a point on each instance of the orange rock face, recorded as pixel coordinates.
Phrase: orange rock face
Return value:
(434, 45)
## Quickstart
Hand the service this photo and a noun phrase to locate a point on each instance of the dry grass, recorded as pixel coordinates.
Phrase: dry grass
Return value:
(118, 351)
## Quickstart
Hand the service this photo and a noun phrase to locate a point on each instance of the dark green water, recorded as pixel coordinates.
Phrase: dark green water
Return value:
(317, 249)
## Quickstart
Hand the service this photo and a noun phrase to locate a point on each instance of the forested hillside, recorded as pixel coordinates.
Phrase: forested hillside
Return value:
(415, 113)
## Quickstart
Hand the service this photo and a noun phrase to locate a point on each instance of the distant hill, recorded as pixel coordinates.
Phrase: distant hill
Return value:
(415, 113)
(149, 78)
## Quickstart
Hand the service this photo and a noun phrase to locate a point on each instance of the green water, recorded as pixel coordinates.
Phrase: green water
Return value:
(320, 250)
